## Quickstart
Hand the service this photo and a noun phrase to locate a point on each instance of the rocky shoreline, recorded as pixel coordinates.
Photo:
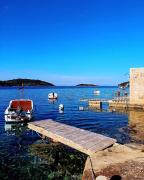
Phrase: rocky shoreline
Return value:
(124, 162)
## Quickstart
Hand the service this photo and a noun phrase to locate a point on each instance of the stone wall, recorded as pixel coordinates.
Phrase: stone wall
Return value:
(95, 104)
(137, 86)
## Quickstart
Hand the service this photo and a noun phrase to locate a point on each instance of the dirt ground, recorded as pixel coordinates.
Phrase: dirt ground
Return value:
(118, 163)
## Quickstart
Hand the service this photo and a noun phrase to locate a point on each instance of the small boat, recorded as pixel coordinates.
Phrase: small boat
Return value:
(97, 92)
(19, 110)
(52, 96)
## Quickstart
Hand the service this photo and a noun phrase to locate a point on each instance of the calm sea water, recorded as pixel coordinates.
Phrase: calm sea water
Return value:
(106, 123)
(16, 140)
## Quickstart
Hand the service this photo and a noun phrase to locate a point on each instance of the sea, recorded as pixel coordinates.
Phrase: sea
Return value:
(16, 139)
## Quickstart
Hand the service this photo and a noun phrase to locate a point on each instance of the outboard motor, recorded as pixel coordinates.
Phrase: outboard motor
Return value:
(28, 114)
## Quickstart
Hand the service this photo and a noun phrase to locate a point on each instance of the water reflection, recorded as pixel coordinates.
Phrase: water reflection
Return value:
(136, 125)
(135, 128)
(61, 111)
(15, 128)
(52, 101)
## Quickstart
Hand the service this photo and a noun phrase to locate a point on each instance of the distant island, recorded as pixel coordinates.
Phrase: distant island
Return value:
(82, 85)
(25, 82)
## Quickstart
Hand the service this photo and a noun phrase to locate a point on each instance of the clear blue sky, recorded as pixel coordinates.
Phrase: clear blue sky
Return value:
(71, 41)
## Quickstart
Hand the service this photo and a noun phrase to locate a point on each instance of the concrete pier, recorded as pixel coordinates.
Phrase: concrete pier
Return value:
(95, 103)
(123, 161)
(135, 101)
(79, 139)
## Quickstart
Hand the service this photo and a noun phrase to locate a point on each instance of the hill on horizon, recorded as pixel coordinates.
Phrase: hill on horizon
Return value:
(25, 82)
(86, 85)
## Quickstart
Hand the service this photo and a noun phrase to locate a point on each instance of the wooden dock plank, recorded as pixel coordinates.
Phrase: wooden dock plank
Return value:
(82, 140)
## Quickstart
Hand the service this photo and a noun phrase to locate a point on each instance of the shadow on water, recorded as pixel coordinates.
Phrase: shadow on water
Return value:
(23, 155)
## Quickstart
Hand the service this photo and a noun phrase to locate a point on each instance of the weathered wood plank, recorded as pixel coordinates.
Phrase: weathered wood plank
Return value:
(82, 140)
(58, 138)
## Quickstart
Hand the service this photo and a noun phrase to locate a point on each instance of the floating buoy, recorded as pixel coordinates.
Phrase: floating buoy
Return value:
(81, 108)
(61, 107)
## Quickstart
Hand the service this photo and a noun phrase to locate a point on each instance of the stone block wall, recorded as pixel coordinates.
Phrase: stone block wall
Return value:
(137, 86)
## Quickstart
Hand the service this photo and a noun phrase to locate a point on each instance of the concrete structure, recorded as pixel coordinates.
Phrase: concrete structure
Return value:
(79, 139)
(137, 86)
(95, 103)
(124, 162)
(136, 98)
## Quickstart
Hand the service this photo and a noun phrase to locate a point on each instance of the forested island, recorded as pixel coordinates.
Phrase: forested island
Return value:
(25, 82)
(82, 85)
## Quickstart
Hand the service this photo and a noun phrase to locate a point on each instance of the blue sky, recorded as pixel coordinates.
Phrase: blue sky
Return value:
(71, 41)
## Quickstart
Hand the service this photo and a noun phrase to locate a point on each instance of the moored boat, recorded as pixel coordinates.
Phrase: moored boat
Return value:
(97, 92)
(19, 110)
(52, 96)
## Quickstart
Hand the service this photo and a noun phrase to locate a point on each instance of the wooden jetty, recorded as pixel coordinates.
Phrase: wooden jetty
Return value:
(79, 139)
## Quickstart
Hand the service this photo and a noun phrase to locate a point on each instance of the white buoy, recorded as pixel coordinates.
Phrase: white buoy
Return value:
(81, 108)
(61, 107)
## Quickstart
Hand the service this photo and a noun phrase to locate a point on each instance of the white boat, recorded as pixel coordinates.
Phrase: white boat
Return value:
(97, 92)
(19, 110)
(52, 96)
